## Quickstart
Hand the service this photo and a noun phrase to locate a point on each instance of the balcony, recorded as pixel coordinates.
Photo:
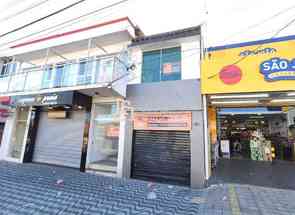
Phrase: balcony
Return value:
(79, 74)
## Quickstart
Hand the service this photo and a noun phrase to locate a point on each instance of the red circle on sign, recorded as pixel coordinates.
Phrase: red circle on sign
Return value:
(230, 74)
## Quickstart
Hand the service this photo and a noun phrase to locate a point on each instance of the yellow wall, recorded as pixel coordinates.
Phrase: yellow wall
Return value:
(252, 80)
(212, 124)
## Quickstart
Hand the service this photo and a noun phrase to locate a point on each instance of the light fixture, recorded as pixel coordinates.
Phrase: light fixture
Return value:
(282, 100)
(233, 96)
(236, 102)
(291, 94)
(80, 107)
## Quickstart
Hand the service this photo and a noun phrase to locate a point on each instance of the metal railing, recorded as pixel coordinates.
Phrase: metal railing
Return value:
(85, 71)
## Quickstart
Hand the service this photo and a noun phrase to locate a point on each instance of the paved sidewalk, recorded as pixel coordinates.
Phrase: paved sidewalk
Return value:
(38, 189)
(247, 200)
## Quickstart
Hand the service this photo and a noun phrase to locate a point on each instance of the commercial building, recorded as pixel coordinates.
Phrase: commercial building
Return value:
(66, 92)
(71, 106)
(249, 91)
(167, 143)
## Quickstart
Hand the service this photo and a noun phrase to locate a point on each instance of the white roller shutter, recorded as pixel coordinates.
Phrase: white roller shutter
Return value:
(59, 141)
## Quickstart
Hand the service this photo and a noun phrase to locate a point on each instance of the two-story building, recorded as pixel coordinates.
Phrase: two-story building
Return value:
(168, 141)
(71, 106)
(67, 91)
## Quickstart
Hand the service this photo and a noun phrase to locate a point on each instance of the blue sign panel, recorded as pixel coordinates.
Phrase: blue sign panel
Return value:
(276, 69)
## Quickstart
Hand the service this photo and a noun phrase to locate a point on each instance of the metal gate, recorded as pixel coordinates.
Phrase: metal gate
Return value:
(59, 141)
(162, 156)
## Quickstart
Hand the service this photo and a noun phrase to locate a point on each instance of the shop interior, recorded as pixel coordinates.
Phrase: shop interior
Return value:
(261, 134)
(252, 139)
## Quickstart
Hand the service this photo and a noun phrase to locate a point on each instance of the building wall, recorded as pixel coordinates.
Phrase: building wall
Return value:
(198, 172)
(183, 95)
(123, 26)
(81, 53)
(9, 125)
(165, 96)
(190, 58)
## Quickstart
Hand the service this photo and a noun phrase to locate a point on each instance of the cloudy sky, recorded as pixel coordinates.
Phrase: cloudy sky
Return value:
(227, 21)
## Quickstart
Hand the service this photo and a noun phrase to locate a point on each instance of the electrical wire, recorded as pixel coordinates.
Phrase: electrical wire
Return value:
(68, 21)
(260, 23)
(258, 47)
(135, 75)
(71, 24)
(32, 6)
(42, 18)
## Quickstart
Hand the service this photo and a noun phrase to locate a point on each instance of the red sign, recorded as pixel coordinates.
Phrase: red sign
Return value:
(167, 68)
(5, 100)
(230, 74)
(4, 113)
(112, 131)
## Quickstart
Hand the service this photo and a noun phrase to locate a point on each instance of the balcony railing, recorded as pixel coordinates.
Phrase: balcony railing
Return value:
(81, 72)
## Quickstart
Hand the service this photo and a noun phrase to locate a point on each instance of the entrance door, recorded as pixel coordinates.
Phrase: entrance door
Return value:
(20, 131)
(162, 156)
(103, 151)
(256, 146)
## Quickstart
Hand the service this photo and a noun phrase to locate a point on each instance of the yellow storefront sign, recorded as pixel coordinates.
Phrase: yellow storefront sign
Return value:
(260, 66)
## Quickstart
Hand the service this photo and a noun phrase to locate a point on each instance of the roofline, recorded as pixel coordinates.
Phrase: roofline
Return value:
(74, 32)
(251, 43)
(170, 35)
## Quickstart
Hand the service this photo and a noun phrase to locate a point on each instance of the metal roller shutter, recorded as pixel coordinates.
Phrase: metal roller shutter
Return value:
(162, 156)
(59, 141)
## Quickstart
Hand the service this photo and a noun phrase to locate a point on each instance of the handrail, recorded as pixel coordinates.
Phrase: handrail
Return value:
(95, 70)
(68, 62)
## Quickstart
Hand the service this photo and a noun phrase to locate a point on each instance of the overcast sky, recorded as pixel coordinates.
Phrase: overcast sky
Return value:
(228, 21)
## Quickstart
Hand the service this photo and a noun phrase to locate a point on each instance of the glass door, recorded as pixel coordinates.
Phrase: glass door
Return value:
(59, 75)
(19, 133)
(103, 151)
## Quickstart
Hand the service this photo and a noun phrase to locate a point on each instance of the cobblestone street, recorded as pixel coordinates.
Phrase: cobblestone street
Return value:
(40, 189)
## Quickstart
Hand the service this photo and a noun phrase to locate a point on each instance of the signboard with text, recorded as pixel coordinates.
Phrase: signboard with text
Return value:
(178, 121)
(259, 66)
(61, 98)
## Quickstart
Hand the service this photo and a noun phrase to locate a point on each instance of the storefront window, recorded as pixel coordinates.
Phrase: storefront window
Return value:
(19, 133)
(260, 134)
(103, 151)
(162, 65)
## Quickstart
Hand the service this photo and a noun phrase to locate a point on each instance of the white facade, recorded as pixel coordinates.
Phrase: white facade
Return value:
(111, 62)
(104, 51)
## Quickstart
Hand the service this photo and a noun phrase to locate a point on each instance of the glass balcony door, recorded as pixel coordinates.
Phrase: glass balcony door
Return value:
(85, 71)
(103, 151)
(59, 75)
(48, 77)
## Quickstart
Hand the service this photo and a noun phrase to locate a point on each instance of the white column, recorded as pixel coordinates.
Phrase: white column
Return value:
(7, 136)
(206, 142)
(125, 146)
